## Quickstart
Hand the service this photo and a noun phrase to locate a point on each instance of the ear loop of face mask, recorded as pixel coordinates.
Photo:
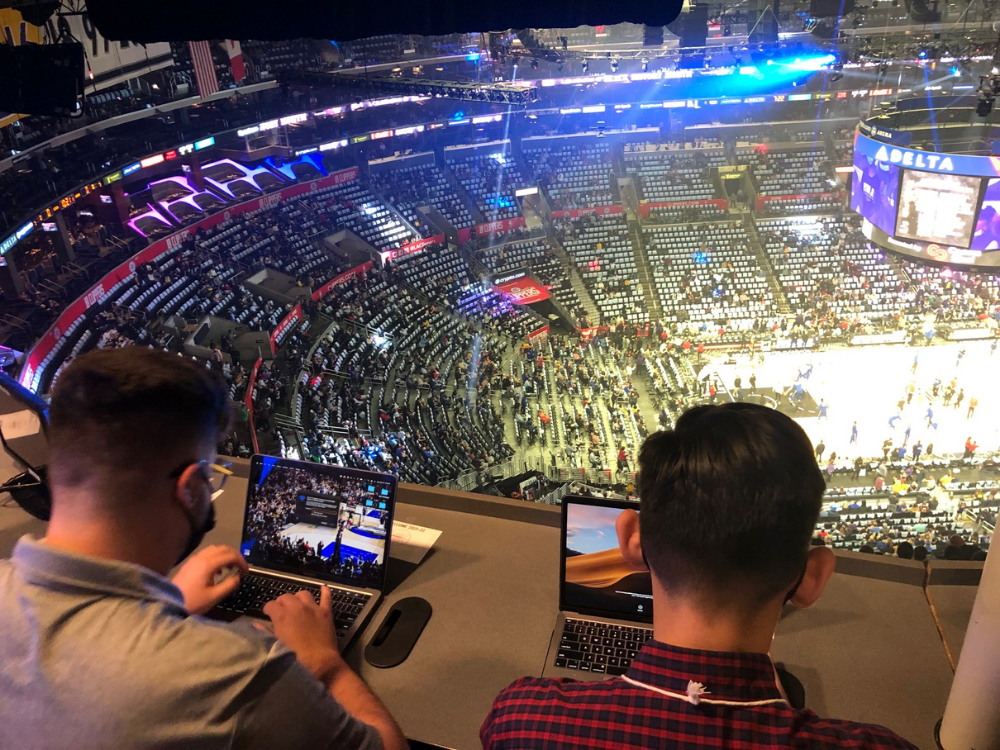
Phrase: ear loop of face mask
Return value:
(795, 588)
(788, 596)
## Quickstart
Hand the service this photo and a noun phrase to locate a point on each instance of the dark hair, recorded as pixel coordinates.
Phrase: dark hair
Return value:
(920, 553)
(729, 500)
(867, 549)
(951, 552)
(905, 550)
(125, 411)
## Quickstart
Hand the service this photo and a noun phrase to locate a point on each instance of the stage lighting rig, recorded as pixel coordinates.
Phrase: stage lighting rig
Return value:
(516, 94)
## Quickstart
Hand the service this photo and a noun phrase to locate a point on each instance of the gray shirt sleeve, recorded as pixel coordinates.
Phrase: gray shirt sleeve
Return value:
(287, 708)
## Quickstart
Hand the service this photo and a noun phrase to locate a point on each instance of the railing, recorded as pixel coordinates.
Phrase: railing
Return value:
(468, 481)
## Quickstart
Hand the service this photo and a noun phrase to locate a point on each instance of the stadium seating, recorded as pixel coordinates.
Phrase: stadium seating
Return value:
(672, 175)
(603, 253)
(574, 176)
(438, 272)
(491, 180)
(708, 279)
(826, 258)
(409, 187)
(786, 171)
(541, 260)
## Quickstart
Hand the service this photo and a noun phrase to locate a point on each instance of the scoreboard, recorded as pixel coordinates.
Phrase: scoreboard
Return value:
(941, 207)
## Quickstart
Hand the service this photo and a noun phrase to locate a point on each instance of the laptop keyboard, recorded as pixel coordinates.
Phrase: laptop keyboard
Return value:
(591, 646)
(256, 590)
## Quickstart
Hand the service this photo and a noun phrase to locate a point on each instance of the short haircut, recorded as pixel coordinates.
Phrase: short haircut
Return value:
(904, 550)
(116, 414)
(920, 553)
(729, 500)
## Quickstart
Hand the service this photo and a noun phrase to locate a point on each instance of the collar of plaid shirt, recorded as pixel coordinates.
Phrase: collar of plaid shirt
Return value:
(724, 676)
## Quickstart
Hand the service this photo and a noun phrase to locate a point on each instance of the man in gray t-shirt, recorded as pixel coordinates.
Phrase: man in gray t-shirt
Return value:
(98, 648)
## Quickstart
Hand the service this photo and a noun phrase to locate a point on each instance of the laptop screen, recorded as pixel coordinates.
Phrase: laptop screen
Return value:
(595, 577)
(327, 522)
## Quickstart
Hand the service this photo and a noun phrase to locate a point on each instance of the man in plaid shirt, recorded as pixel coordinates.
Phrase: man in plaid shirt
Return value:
(729, 500)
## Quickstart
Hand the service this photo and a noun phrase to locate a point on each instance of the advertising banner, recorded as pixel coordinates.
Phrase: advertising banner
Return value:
(411, 249)
(575, 213)
(867, 339)
(927, 161)
(645, 208)
(464, 235)
(291, 321)
(523, 291)
(29, 375)
(765, 199)
(539, 333)
(496, 227)
(341, 280)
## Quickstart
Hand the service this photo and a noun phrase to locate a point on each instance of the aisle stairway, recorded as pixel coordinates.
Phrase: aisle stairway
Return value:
(456, 185)
(772, 279)
(645, 273)
(575, 279)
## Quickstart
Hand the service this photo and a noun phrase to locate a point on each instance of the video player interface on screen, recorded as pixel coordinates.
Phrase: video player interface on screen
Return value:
(987, 234)
(873, 192)
(597, 576)
(319, 525)
(937, 207)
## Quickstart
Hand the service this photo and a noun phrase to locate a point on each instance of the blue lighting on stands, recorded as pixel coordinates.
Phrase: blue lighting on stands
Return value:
(472, 56)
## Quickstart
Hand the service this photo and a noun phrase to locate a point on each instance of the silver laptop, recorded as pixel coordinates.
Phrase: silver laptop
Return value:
(307, 525)
(605, 607)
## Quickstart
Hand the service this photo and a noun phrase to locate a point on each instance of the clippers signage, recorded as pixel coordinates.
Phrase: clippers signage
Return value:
(646, 208)
(344, 278)
(497, 227)
(575, 213)
(290, 322)
(763, 200)
(523, 291)
(410, 249)
(30, 375)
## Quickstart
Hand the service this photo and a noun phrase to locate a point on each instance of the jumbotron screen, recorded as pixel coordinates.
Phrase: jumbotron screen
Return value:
(875, 188)
(937, 207)
(945, 207)
(987, 234)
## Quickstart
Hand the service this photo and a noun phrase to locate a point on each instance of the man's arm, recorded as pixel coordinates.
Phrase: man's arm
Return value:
(307, 629)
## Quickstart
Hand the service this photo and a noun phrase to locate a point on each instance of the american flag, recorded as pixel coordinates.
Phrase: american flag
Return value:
(204, 68)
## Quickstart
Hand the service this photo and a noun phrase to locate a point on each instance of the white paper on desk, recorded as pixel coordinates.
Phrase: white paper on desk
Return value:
(411, 543)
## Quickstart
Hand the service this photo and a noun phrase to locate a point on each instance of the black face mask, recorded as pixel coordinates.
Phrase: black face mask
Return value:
(197, 533)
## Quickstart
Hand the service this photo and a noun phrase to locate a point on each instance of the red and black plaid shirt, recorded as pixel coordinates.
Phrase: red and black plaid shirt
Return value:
(739, 706)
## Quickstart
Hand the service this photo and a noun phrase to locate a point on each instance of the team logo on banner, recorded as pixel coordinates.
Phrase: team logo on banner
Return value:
(312, 186)
(57, 333)
(523, 294)
(523, 291)
(937, 253)
(131, 266)
(226, 216)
